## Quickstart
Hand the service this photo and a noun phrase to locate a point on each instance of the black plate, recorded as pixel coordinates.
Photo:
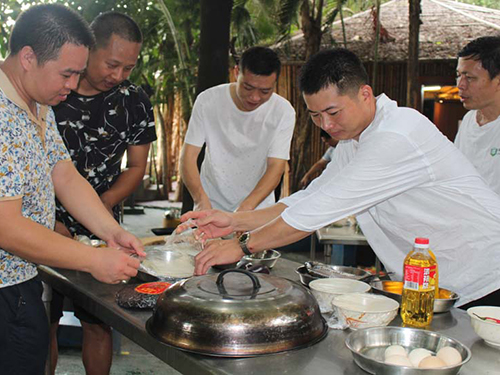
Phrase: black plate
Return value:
(162, 231)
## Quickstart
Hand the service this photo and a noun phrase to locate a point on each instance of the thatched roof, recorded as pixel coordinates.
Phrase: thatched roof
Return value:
(446, 27)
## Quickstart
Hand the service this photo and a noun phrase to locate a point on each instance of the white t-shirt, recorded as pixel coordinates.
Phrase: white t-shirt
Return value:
(238, 144)
(403, 180)
(481, 145)
(328, 156)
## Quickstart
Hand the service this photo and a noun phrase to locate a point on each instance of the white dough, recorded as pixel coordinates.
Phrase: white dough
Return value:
(416, 355)
(431, 362)
(395, 350)
(399, 360)
(449, 355)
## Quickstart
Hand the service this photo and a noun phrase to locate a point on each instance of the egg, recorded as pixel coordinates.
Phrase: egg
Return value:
(400, 360)
(431, 362)
(395, 350)
(416, 355)
(449, 355)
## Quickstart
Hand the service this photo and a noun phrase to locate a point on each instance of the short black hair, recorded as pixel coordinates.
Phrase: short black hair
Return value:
(338, 66)
(325, 135)
(46, 28)
(486, 50)
(109, 23)
(261, 61)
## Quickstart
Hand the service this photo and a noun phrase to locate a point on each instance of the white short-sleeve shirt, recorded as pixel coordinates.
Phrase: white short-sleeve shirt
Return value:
(403, 180)
(238, 144)
(481, 145)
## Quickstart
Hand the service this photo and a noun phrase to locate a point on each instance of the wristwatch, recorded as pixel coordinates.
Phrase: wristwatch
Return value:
(243, 241)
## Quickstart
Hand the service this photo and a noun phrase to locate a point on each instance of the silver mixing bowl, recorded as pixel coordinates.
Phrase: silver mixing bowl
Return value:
(368, 347)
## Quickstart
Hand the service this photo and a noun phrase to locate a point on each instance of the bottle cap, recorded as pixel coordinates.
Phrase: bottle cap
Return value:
(422, 241)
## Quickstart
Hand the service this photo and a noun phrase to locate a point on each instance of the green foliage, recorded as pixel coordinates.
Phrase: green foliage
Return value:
(159, 63)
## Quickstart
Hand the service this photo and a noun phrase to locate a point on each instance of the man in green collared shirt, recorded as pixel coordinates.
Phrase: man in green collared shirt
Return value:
(49, 47)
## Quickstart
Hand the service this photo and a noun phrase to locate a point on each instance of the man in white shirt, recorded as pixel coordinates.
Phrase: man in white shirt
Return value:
(321, 164)
(478, 82)
(394, 170)
(247, 129)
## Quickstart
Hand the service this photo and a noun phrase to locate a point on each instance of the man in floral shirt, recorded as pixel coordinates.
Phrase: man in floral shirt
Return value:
(49, 47)
(104, 117)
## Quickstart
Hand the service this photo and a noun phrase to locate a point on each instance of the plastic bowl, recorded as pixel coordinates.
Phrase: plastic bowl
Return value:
(488, 330)
(325, 290)
(363, 310)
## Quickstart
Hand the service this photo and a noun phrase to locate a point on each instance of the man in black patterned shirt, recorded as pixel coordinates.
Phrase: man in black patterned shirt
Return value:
(102, 119)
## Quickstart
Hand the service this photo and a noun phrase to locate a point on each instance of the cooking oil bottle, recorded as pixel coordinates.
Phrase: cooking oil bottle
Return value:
(419, 285)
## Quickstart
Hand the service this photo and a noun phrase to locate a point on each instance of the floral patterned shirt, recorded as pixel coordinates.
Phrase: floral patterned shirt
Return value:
(97, 131)
(30, 147)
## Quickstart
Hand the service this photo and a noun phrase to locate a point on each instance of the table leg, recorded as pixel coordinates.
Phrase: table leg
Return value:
(47, 299)
(313, 246)
(328, 253)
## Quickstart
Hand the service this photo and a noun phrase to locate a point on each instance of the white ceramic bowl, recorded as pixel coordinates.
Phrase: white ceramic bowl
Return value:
(363, 310)
(486, 329)
(325, 290)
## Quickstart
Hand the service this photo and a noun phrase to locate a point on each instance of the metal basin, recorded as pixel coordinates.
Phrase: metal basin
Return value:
(368, 346)
(393, 289)
(266, 258)
(343, 271)
(237, 314)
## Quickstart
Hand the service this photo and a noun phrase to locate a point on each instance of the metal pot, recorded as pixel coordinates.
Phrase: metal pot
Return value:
(237, 314)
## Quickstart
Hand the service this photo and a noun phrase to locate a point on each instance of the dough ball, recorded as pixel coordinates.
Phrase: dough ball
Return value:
(400, 360)
(416, 355)
(449, 355)
(431, 362)
(395, 350)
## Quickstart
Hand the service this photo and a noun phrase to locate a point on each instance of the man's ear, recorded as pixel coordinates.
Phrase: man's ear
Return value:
(27, 58)
(365, 92)
(236, 72)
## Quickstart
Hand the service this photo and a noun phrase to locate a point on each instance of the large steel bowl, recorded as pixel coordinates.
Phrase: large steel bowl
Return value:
(368, 346)
(344, 272)
(237, 314)
(393, 289)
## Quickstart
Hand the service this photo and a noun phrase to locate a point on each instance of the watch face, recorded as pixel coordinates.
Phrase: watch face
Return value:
(243, 238)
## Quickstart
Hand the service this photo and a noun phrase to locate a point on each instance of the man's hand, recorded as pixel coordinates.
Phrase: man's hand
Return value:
(202, 205)
(126, 242)
(210, 223)
(217, 252)
(61, 229)
(113, 266)
(305, 181)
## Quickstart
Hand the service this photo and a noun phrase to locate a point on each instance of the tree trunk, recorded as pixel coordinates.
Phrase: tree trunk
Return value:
(413, 84)
(311, 27)
(213, 65)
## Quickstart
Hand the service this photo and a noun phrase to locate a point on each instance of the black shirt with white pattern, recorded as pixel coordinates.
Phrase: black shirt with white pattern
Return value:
(97, 131)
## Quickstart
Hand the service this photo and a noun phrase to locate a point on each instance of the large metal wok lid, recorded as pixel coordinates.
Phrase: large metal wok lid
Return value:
(237, 314)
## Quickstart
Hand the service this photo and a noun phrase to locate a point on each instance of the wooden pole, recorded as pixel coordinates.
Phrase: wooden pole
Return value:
(413, 84)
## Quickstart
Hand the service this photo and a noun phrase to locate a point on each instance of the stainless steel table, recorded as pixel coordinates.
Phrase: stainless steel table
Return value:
(330, 356)
(331, 235)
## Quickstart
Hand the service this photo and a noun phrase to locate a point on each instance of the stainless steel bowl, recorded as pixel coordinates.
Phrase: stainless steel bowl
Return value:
(388, 288)
(368, 346)
(266, 258)
(346, 272)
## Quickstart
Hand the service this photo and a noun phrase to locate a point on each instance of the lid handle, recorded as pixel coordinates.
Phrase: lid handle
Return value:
(255, 280)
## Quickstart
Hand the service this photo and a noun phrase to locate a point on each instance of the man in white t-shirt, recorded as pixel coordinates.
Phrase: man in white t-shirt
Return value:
(478, 82)
(321, 164)
(394, 170)
(247, 129)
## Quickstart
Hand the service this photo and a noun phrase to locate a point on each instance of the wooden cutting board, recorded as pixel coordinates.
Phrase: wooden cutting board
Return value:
(153, 240)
